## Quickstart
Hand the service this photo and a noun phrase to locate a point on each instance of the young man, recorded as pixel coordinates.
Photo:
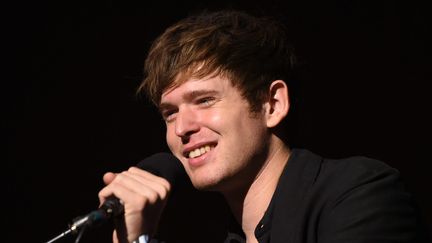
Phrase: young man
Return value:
(222, 83)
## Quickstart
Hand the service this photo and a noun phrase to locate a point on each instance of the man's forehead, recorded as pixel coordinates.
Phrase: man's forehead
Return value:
(196, 85)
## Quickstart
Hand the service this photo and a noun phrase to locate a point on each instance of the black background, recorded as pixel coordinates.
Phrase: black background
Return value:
(71, 114)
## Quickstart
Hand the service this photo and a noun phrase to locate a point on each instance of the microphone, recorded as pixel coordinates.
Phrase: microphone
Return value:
(164, 165)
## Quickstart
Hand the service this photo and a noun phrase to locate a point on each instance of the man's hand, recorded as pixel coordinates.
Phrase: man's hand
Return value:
(144, 197)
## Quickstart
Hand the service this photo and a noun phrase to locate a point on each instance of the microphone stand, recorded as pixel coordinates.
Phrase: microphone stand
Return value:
(79, 226)
(104, 213)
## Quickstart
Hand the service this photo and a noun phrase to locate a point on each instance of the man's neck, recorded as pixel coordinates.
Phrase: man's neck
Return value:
(250, 205)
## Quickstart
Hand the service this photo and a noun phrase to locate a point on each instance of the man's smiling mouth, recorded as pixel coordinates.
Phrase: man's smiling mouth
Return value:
(199, 151)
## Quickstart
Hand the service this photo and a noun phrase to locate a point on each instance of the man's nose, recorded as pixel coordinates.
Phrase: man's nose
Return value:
(186, 123)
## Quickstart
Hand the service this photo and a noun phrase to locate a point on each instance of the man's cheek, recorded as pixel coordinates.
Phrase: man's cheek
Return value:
(170, 141)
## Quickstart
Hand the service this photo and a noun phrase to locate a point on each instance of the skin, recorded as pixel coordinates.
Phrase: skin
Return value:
(244, 162)
(211, 112)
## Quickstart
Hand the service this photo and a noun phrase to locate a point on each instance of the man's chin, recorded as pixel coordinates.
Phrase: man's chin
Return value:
(206, 184)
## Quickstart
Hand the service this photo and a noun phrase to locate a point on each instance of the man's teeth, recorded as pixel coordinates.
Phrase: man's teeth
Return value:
(199, 151)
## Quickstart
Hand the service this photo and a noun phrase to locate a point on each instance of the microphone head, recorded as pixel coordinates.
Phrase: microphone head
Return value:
(165, 165)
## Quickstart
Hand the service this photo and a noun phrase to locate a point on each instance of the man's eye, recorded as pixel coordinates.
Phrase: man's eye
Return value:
(168, 115)
(207, 101)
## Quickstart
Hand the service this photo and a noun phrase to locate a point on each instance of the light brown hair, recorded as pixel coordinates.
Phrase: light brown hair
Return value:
(251, 51)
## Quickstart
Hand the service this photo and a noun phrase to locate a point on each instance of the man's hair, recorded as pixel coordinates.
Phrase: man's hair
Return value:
(250, 51)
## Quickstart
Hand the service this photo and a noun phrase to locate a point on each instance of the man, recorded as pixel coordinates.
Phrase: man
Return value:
(222, 84)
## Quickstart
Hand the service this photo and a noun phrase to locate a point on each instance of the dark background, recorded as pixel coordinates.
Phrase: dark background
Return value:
(71, 114)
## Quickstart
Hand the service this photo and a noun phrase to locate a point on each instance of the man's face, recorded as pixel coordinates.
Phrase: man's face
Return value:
(211, 130)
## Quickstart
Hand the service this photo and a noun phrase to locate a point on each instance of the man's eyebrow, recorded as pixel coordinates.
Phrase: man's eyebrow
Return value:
(196, 93)
(189, 96)
(164, 106)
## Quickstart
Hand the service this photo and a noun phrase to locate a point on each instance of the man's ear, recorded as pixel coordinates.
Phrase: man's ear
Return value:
(277, 104)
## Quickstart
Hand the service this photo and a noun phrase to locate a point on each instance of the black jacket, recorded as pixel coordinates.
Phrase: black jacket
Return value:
(348, 200)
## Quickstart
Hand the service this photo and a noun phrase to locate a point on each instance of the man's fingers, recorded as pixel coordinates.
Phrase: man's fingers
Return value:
(108, 177)
(151, 177)
(158, 184)
(128, 185)
(149, 189)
